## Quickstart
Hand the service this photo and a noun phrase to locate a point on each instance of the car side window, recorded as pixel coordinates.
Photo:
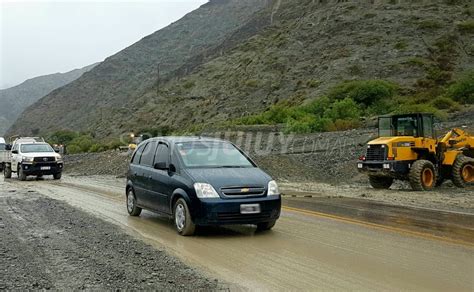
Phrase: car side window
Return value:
(15, 147)
(162, 153)
(148, 154)
(138, 154)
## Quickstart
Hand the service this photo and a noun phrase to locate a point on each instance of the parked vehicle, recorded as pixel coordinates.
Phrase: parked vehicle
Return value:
(33, 156)
(200, 181)
(3, 153)
(408, 149)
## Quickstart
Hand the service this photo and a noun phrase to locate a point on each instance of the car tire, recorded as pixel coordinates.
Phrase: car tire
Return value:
(132, 208)
(21, 174)
(265, 226)
(463, 171)
(422, 175)
(7, 172)
(57, 176)
(182, 218)
(380, 182)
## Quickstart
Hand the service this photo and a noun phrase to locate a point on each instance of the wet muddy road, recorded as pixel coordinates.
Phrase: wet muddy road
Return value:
(304, 251)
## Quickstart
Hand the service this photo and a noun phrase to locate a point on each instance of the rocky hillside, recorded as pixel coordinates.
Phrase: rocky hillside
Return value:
(14, 100)
(104, 98)
(291, 50)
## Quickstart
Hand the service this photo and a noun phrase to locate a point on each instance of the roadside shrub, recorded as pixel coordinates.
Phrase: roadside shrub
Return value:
(62, 137)
(443, 102)
(429, 24)
(463, 90)
(343, 109)
(466, 26)
(363, 92)
(96, 148)
(189, 84)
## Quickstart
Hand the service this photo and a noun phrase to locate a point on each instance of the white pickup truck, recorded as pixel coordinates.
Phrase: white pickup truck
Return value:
(32, 157)
(3, 153)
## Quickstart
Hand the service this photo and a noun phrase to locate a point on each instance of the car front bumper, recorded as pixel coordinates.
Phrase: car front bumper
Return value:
(388, 168)
(226, 212)
(42, 168)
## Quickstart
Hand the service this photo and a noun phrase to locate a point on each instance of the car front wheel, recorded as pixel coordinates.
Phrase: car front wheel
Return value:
(265, 226)
(132, 208)
(182, 219)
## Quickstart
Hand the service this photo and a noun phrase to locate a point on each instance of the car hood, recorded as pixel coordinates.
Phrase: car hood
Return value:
(41, 154)
(230, 177)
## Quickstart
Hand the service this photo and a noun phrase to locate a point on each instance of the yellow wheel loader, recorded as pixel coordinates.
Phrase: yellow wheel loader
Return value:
(408, 149)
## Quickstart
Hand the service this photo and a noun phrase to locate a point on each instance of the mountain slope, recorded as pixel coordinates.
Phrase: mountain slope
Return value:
(14, 100)
(297, 51)
(310, 47)
(103, 96)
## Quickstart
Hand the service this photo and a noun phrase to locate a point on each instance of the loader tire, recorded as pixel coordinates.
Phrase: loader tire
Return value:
(380, 182)
(463, 171)
(422, 175)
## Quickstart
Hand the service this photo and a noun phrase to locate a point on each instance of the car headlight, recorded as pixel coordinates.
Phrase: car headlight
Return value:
(205, 191)
(59, 159)
(27, 159)
(273, 189)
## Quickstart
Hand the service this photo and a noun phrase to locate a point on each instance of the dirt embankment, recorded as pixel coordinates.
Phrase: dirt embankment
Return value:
(320, 157)
(47, 244)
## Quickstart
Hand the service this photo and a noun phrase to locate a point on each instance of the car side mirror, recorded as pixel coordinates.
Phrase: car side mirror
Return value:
(56, 150)
(8, 147)
(172, 168)
(15, 151)
(161, 166)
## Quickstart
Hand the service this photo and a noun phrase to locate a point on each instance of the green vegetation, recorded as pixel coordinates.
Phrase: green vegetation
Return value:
(466, 26)
(81, 142)
(463, 90)
(429, 24)
(346, 103)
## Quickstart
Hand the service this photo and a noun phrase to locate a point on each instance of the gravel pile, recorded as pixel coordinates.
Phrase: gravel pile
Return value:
(47, 244)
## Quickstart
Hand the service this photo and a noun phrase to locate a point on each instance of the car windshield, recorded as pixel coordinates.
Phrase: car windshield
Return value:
(398, 126)
(2, 146)
(30, 148)
(204, 154)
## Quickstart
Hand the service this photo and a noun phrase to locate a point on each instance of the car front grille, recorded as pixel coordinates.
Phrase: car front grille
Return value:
(376, 153)
(243, 191)
(44, 159)
(238, 216)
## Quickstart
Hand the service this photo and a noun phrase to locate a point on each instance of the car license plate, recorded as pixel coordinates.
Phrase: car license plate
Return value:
(45, 167)
(250, 209)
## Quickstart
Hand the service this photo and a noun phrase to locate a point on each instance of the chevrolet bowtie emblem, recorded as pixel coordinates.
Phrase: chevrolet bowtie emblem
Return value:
(245, 190)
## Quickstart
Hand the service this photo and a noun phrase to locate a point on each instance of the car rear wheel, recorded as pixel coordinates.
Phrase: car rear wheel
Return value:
(265, 226)
(182, 218)
(132, 208)
(21, 174)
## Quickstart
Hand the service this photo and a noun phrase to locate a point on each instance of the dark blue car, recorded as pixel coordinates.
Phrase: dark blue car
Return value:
(200, 181)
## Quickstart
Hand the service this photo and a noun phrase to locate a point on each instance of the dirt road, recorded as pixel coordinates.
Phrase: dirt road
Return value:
(47, 244)
(303, 252)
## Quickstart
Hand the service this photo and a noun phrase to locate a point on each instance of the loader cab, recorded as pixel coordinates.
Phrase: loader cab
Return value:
(418, 125)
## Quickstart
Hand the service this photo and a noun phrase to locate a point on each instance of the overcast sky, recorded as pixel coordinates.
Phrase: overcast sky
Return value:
(44, 37)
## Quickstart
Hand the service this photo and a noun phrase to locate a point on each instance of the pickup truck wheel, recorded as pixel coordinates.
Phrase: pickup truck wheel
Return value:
(57, 175)
(182, 219)
(7, 172)
(132, 208)
(21, 174)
